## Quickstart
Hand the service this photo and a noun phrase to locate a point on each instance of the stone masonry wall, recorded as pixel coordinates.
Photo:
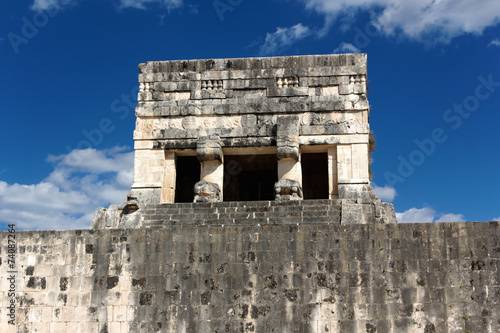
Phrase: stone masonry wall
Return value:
(301, 277)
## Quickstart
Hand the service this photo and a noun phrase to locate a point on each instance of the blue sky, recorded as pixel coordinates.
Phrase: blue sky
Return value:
(69, 82)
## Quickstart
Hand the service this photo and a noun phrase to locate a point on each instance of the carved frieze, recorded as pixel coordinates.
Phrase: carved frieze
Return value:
(287, 82)
(216, 85)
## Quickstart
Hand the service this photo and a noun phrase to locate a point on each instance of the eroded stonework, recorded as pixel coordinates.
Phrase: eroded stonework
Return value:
(301, 109)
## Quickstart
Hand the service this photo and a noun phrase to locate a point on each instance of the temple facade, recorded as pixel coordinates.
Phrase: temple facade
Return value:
(251, 129)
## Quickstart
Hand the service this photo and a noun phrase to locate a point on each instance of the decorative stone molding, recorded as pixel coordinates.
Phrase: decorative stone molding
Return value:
(145, 87)
(357, 79)
(287, 82)
(216, 85)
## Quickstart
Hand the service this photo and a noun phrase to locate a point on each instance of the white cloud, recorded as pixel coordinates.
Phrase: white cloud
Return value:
(451, 218)
(193, 9)
(81, 182)
(431, 21)
(496, 218)
(385, 193)
(40, 5)
(494, 42)
(141, 4)
(346, 48)
(427, 214)
(283, 37)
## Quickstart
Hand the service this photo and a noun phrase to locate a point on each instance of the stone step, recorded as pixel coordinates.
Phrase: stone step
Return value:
(333, 211)
(251, 212)
(256, 221)
(242, 206)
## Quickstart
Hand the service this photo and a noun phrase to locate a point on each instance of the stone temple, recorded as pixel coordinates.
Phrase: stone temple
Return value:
(251, 210)
(254, 129)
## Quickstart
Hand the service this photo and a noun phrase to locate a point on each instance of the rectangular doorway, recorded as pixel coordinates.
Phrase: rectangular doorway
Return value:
(315, 175)
(250, 177)
(188, 173)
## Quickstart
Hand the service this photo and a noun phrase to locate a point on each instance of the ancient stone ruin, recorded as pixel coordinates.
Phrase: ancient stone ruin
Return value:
(252, 211)
(255, 129)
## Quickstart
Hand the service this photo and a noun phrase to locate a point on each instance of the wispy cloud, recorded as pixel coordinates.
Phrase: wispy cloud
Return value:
(41, 5)
(427, 214)
(283, 37)
(141, 4)
(193, 9)
(81, 182)
(385, 193)
(451, 218)
(496, 218)
(429, 21)
(346, 48)
(494, 42)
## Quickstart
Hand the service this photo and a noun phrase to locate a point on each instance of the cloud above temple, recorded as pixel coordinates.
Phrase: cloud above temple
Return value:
(346, 48)
(40, 5)
(141, 4)
(385, 193)
(429, 21)
(81, 182)
(494, 42)
(427, 214)
(283, 37)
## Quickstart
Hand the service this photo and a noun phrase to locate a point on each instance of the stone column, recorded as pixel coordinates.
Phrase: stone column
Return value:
(289, 185)
(209, 153)
(333, 183)
(169, 178)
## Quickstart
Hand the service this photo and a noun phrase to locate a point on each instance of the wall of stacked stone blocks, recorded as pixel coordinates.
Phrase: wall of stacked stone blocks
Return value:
(242, 277)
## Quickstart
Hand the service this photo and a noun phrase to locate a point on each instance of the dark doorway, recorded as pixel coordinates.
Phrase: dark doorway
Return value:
(315, 176)
(249, 177)
(188, 173)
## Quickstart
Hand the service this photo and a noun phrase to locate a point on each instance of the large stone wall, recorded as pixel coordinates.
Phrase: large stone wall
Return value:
(245, 277)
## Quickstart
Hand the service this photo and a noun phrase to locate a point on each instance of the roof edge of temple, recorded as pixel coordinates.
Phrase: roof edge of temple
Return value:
(217, 64)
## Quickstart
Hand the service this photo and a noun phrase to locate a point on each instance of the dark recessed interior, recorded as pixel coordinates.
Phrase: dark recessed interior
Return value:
(249, 177)
(188, 173)
(315, 176)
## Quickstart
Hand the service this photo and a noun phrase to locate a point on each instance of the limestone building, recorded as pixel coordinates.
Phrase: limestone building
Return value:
(253, 129)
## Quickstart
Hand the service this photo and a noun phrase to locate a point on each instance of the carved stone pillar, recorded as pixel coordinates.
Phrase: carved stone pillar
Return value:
(169, 178)
(209, 153)
(289, 185)
(333, 183)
